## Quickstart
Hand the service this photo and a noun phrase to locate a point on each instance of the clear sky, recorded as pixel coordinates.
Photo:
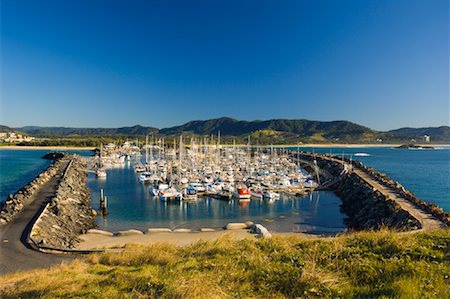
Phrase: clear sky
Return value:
(92, 63)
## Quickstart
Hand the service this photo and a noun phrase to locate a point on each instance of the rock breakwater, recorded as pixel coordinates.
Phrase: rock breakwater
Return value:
(68, 214)
(16, 202)
(365, 206)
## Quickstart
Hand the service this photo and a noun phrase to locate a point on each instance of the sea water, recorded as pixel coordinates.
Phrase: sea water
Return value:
(18, 167)
(426, 173)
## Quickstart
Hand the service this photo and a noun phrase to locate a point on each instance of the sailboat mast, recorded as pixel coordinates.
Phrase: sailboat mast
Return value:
(146, 149)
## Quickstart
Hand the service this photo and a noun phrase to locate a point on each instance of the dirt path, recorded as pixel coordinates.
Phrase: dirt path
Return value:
(15, 253)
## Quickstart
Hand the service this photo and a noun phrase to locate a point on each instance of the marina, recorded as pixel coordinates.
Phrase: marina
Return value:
(210, 185)
(131, 205)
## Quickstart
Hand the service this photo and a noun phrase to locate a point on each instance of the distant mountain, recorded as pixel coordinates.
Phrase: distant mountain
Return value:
(436, 133)
(267, 131)
(300, 128)
(64, 131)
(5, 129)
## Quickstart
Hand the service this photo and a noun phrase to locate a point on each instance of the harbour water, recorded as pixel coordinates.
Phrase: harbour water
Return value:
(424, 172)
(130, 205)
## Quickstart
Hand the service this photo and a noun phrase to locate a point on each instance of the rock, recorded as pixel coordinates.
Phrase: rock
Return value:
(99, 232)
(249, 224)
(129, 232)
(182, 230)
(261, 231)
(208, 230)
(159, 230)
(236, 225)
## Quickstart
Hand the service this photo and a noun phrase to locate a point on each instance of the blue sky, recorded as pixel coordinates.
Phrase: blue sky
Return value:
(383, 64)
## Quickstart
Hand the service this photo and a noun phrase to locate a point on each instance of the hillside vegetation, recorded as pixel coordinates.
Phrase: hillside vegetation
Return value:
(65, 131)
(282, 131)
(361, 265)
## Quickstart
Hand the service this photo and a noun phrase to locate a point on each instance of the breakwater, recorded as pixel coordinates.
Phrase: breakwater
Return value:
(372, 200)
(15, 203)
(68, 213)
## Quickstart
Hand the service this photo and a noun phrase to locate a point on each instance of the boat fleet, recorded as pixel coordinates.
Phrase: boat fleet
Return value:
(179, 172)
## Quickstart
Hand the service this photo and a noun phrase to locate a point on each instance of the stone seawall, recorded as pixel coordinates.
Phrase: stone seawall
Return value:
(68, 214)
(433, 209)
(16, 202)
(366, 207)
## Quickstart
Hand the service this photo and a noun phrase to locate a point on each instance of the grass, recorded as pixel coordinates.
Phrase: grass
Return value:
(363, 265)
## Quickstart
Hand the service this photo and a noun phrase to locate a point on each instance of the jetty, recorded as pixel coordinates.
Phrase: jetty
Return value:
(338, 173)
(22, 241)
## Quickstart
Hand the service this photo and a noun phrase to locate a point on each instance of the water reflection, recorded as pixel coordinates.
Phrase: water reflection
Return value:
(131, 205)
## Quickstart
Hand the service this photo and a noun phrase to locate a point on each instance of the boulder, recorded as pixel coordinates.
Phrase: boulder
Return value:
(99, 232)
(182, 230)
(159, 230)
(236, 225)
(129, 232)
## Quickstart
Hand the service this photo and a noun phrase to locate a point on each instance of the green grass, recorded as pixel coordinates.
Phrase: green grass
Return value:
(362, 265)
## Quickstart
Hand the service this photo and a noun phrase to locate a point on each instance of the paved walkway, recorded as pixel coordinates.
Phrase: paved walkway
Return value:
(427, 220)
(15, 253)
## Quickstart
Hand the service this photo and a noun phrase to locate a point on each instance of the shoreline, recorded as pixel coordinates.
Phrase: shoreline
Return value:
(310, 145)
(34, 147)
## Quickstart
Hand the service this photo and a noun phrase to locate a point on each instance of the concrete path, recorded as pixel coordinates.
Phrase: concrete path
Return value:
(15, 253)
(428, 221)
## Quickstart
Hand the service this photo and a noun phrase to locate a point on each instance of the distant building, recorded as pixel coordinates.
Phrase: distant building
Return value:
(12, 137)
(379, 140)
(426, 138)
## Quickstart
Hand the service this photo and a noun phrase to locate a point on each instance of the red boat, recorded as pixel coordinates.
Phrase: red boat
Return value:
(242, 192)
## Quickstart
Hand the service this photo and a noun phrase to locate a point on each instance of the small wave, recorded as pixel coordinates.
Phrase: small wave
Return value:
(362, 155)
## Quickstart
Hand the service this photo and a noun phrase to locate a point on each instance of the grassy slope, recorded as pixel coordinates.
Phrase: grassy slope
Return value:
(367, 264)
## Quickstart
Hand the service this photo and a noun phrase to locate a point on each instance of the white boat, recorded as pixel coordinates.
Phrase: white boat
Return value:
(138, 167)
(190, 193)
(270, 195)
(309, 183)
(146, 177)
(155, 190)
(170, 194)
(101, 173)
(256, 193)
(200, 188)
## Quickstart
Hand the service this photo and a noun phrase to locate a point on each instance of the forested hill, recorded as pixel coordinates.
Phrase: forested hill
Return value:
(275, 130)
(65, 131)
(294, 128)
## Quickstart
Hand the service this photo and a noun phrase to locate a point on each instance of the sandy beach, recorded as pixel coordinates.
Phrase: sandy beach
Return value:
(343, 145)
(353, 145)
(97, 241)
(60, 148)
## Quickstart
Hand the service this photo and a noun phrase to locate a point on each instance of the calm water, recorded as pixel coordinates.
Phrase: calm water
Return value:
(131, 206)
(18, 167)
(426, 173)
